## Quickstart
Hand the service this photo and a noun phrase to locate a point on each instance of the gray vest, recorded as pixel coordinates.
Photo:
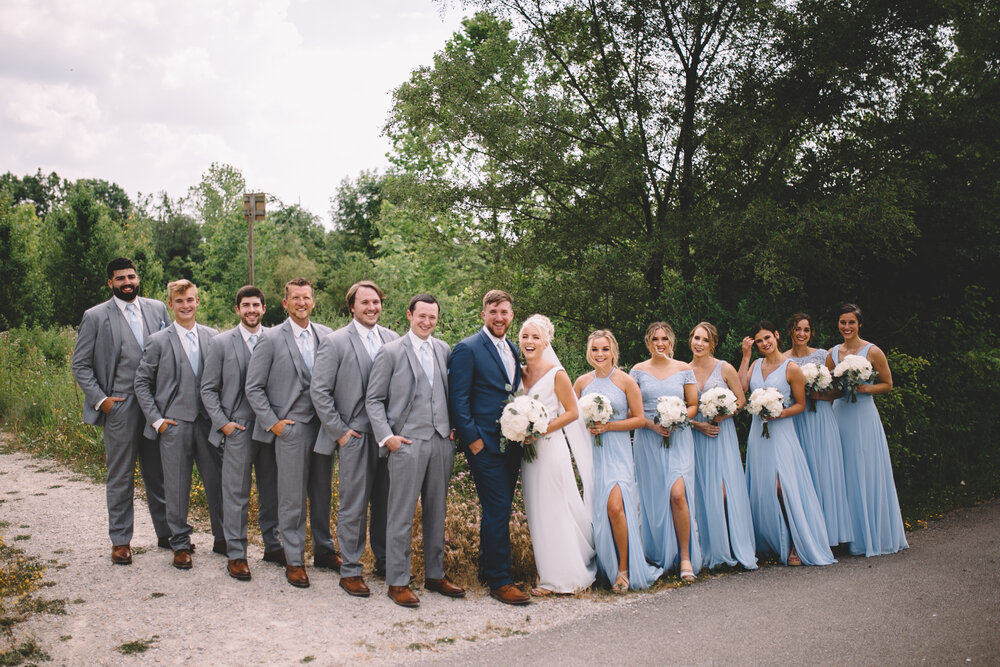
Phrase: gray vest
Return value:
(423, 424)
(186, 405)
(128, 358)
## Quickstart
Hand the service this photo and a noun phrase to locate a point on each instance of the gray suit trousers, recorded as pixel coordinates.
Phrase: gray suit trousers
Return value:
(320, 498)
(123, 444)
(241, 454)
(421, 469)
(363, 479)
(292, 451)
(181, 446)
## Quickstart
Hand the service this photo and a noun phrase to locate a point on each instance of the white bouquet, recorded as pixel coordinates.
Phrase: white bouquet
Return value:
(596, 409)
(671, 413)
(766, 402)
(523, 417)
(818, 380)
(852, 372)
(717, 401)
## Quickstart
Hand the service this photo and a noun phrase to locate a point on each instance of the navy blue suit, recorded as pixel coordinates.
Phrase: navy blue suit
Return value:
(478, 387)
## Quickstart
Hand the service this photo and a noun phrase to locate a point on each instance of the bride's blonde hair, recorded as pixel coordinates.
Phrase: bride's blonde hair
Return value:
(543, 324)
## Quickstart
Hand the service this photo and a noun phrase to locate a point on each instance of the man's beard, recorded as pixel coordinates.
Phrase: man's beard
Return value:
(126, 296)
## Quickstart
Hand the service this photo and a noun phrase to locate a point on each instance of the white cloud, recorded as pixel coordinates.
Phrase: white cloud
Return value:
(148, 93)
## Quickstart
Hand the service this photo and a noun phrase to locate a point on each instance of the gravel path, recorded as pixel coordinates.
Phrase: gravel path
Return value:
(938, 602)
(202, 615)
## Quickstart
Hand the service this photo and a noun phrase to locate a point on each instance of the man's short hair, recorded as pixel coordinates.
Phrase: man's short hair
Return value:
(119, 263)
(248, 292)
(422, 298)
(353, 291)
(297, 282)
(496, 296)
(179, 287)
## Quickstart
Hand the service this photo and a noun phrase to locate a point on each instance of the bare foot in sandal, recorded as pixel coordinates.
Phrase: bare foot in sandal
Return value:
(621, 583)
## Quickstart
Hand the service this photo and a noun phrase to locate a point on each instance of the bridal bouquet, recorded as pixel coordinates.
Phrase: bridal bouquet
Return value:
(717, 401)
(596, 409)
(523, 417)
(766, 402)
(671, 413)
(818, 380)
(852, 372)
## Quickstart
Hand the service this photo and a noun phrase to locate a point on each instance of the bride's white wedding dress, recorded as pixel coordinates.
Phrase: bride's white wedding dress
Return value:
(560, 521)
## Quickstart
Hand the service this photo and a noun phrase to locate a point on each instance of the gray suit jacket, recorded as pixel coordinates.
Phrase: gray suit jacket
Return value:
(393, 383)
(339, 383)
(222, 382)
(98, 346)
(158, 386)
(277, 377)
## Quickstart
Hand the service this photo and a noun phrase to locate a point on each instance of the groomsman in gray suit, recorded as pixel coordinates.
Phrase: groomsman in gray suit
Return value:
(407, 403)
(232, 429)
(338, 390)
(168, 388)
(277, 387)
(108, 351)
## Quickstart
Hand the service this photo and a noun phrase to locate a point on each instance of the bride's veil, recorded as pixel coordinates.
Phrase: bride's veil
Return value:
(578, 437)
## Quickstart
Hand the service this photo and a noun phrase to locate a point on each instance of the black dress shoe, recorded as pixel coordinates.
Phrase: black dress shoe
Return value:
(276, 556)
(164, 543)
(219, 547)
(328, 561)
(379, 572)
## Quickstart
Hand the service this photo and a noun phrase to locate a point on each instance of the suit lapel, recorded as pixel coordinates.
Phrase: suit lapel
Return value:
(491, 350)
(114, 321)
(148, 318)
(360, 351)
(241, 351)
(293, 351)
(204, 340)
(442, 366)
(180, 356)
(414, 362)
(517, 365)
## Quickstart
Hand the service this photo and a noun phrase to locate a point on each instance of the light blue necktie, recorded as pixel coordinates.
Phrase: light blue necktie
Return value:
(307, 355)
(193, 355)
(253, 341)
(425, 361)
(372, 347)
(135, 324)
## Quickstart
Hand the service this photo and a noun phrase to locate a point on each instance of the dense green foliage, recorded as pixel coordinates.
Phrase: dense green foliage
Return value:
(618, 161)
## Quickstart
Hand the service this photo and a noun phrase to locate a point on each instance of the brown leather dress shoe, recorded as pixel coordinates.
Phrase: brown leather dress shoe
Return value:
(510, 594)
(296, 575)
(121, 555)
(276, 556)
(355, 586)
(328, 561)
(445, 587)
(403, 596)
(219, 547)
(182, 559)
(238, 569)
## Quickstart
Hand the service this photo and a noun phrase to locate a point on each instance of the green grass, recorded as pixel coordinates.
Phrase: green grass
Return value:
(137, 646)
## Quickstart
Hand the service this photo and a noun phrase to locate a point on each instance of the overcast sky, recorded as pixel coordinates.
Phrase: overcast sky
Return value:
(148, 93)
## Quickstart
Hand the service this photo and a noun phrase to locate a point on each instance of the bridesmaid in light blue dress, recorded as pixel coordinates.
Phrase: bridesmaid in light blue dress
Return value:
(871, 490)
(819, 436)
(617, 528)
(666, 474)
(787, 517)
(721, 501)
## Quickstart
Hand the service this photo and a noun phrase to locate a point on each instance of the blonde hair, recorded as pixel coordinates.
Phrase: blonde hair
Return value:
(543, 324)
(179, 287)
(612, 342)
(651, 331)
(713, 334)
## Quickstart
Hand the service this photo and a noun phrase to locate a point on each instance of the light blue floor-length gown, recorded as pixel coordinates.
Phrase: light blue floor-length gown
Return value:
(780, 458)
(725, 540)
(871, 491)
(819, 436)
(614, 466)
(657, 468)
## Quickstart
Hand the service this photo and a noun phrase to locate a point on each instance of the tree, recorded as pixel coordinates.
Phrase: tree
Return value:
(355, 211)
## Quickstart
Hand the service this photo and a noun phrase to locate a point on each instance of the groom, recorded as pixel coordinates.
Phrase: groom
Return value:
(484, 371)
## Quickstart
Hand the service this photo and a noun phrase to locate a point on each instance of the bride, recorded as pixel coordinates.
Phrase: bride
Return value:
(560, 521)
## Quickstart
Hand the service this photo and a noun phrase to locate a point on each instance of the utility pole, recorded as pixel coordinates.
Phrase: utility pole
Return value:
(253, 209)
